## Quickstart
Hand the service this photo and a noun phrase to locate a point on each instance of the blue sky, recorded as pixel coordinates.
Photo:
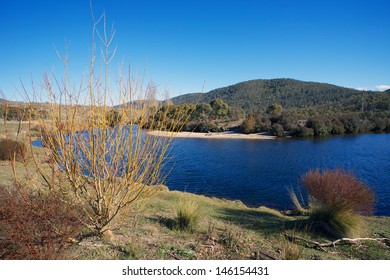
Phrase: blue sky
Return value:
(190, 46)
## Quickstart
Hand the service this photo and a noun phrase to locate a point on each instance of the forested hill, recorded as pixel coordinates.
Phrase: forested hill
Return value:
(257, 95)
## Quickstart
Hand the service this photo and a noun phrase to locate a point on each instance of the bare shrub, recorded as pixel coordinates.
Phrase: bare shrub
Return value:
(35, 226)
(339, 190)
(102, 163)
(337, 199)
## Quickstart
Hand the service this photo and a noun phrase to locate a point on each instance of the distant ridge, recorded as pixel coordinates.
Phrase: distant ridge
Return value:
(257, 95)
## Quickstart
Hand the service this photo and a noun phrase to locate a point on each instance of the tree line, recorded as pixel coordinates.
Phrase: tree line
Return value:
(304, 123)
(202, 117)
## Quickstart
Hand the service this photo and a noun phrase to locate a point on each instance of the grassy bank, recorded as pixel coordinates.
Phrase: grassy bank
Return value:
(225, 230)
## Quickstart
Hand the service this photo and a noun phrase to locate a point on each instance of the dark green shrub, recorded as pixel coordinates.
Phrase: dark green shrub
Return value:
(337, 127)
(202, 111)
(303, 132)
(388, 125)
(219, 108)
(274, 109)
(352, 123)
(288, 121)
(380, 124)
(263, 124)
(235, 113)
(202, 126)
(321, 126)
(11, 149)
(13, 114)
(277, 129)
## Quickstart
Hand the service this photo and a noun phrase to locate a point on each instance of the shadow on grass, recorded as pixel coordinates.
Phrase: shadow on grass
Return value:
(166, 222)
(258, 220)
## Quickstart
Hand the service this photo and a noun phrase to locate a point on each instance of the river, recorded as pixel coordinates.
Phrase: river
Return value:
(260, 172)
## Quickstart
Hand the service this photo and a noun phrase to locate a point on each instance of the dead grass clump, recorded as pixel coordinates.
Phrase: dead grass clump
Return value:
(12, 150)
(35, 226)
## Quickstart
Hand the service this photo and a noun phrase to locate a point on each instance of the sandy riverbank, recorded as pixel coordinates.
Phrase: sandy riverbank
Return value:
(213, 135)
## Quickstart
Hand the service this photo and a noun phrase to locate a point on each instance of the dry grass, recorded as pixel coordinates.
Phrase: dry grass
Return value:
(291, 251)
(35, 226)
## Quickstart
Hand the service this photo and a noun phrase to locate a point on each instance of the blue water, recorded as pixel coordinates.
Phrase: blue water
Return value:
(260, 172)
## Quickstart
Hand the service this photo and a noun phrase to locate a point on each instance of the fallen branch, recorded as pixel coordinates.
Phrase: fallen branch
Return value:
(385, 241)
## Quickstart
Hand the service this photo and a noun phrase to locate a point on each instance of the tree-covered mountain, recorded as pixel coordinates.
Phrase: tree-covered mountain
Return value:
(258, 95)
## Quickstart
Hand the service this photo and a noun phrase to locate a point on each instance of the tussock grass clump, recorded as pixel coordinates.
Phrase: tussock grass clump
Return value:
(12, 149)
(333, 223)
(299, 207)
(291, 251)
(187, 216)
(337, 201)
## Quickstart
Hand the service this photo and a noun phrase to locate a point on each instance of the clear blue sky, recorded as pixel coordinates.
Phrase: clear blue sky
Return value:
(186, 45)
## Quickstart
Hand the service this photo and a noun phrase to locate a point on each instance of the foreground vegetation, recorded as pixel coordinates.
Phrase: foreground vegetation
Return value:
(168, 225)
(224, 230)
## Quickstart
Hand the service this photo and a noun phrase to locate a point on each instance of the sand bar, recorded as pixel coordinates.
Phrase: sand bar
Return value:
(213, 135)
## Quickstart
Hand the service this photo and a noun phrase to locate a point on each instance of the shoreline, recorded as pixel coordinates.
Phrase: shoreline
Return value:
(212, 135)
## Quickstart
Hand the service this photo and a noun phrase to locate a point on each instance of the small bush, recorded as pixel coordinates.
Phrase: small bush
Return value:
(35, 226)
(187, 216)
(337, 200)
(248, 125)
(11, 149)
(304, 132)
(277, 129)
